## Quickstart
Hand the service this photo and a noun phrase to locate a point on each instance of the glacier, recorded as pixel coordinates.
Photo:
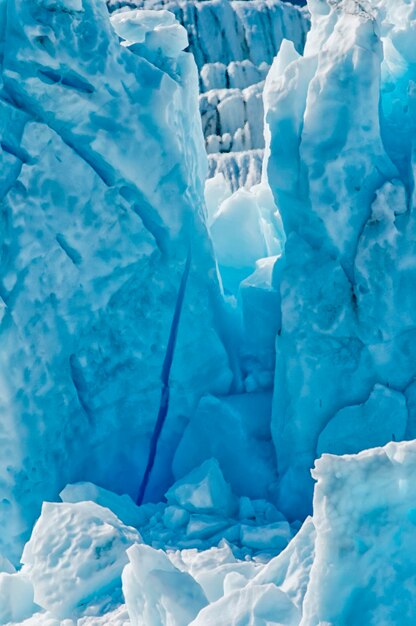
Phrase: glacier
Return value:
(208, 396)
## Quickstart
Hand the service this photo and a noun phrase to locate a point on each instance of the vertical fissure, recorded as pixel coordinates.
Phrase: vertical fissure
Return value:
(165, 379)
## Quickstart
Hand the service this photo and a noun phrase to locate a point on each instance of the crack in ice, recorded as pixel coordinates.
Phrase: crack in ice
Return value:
(166, 369)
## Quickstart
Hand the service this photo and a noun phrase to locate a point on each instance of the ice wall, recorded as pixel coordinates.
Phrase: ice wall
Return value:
(102, 216)
(342, 122)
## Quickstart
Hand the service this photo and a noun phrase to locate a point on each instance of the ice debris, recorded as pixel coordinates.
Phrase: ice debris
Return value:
(204, 490)
(76, 551)
(156, 592)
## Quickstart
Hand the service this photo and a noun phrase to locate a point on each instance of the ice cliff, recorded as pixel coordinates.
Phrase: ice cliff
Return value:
(341, 122)
(208, 395)
(102, 204)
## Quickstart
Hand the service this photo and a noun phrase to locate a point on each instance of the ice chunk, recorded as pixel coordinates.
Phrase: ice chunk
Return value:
(237, 232)
(121, 505)
(243, 420)
(16, 598)
(204, 526)
(364, 514)
(117, 617)
(245, 228)
(204, 490)
(210, 568)
(290, 570)
(269, 538)
(252, 30)
(382, 418)
(75, 551)
(217, 190)
(158, 31)
(156, 592)
(175, 517)
(263, 605)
